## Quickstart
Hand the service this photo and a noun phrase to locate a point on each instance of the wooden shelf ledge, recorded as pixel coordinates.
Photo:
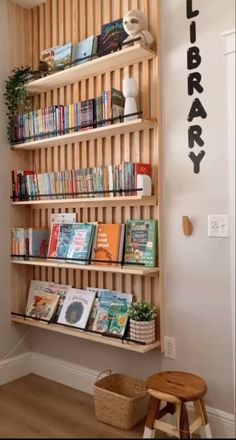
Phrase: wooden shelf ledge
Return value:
(91, 202)
(88, 135)
(132, 346)
(97, 66)
(132, 270)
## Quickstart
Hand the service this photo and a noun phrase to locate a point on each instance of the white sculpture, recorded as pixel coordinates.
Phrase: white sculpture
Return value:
(134, 23)
(130, 91)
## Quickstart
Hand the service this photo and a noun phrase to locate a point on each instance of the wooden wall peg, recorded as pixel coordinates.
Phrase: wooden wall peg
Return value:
(187, 225)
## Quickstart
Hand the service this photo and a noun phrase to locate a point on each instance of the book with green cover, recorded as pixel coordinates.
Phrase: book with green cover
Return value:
(141, 242)
(80, 242)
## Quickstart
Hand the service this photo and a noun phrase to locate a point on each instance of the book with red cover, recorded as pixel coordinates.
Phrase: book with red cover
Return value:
(55, 228)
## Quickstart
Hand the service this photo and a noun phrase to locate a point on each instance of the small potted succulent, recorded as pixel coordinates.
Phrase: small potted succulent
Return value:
(142, 321)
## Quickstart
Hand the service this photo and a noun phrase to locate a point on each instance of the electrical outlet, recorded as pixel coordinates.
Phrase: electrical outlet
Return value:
(169, 347)
(218, 226)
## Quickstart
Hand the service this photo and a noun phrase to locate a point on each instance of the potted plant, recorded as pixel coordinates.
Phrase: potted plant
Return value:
(142, 321)
(17, 100)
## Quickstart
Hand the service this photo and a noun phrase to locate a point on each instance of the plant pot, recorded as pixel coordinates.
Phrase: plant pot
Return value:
(143, 331)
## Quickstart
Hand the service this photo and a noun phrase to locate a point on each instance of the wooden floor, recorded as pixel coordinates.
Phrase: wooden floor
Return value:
(34, 407)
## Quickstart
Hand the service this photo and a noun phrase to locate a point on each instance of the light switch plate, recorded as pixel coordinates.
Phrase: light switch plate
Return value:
(218, 225)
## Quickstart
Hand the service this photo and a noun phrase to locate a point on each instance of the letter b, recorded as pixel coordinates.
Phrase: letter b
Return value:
(193, 57)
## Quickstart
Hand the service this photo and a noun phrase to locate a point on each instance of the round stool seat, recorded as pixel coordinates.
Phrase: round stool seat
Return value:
(186, 387)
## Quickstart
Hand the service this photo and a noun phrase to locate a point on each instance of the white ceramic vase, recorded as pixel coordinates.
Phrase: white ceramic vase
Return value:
(130, 91)
(143, 331)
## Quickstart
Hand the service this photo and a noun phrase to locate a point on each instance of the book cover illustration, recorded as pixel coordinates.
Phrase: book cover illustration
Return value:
(76, 308)
(47, 58)
(83, 49)
(43, 305)
(40, 286)
(62, 56)
(107, 244)
(96, 302)
(63, 240)
(52, 247)
(112, 35)
(141, 242)
(80, 245)
(112, 316)
(38, 241)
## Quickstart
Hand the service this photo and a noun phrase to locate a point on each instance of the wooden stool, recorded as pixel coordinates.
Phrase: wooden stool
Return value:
(176, 388)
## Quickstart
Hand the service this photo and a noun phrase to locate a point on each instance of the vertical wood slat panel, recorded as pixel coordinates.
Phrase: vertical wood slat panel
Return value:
(60, 21)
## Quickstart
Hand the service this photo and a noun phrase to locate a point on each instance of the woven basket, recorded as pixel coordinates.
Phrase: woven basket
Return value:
(120, 400)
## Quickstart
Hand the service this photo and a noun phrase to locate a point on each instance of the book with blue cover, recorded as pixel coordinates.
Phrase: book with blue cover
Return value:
(62, 55)
(83, 49)
(63, 240)
(112, 312)
(112, 36)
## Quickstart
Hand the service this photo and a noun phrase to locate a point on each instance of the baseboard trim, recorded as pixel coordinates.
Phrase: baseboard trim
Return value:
(15, 367)
(69, 374)
(76, 376)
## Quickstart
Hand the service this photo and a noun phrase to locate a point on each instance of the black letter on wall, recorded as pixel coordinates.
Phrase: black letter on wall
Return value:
(194, 80)
(193, 32)
(190, 12)
(194, 135)
(197, 110)
(193, 57)
(196, 160)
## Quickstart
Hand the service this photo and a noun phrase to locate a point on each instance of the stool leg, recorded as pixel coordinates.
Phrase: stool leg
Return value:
(183, 423)
(205, 429)
(154, 406)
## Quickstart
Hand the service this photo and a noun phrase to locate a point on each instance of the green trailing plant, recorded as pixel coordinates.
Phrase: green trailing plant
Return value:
(142, 311)
(16, 98)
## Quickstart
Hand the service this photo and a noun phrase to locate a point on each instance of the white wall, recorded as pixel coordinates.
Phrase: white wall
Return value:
(9, 335)
(197, 274)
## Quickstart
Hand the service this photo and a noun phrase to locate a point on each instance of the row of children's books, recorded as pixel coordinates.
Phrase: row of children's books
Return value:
(93, 309)
(100, 181)
(67, 55)
(134, 242)
(58, 120)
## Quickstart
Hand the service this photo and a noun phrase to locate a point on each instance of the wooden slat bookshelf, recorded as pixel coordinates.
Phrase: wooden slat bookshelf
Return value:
(88, 336)
(126, 269)
(90, 202)
(95, 67)
(88, 135)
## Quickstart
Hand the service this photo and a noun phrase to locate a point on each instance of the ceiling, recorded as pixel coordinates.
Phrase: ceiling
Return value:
(28, 3)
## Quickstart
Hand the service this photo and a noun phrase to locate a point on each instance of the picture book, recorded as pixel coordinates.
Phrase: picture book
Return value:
(76, 308)
(112, 35)
(107, 244)
(38, 241)
(52, 247)
(83, 49)
(63, 240)
(81, 238)
(141, 242)
(94, 310)
(63, 217)
(62, 56)
(43, 305)
(37, 285)
(112, 312)
(48, 287)
(47, 58)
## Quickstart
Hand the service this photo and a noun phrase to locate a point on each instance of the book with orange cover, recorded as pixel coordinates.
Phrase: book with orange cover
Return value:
(107, 244)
